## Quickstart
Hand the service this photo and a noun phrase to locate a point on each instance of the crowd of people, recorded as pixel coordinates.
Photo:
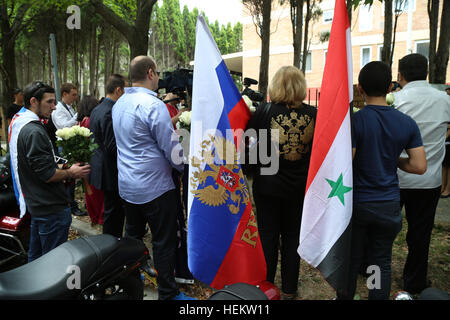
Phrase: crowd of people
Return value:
(398, 153)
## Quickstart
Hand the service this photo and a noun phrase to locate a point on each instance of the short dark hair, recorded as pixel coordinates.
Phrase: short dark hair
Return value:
(139, 67)
(17, 91)
(114, 81)
(67, 87)
(413, 67)
(375, 78)
(87, 104)
(36, 89)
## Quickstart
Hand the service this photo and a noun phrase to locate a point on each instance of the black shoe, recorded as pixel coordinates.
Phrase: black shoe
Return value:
(77, 212)
(148, 268)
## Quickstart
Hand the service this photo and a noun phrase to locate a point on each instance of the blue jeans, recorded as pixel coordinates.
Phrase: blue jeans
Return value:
(374, 228)
(48, 232)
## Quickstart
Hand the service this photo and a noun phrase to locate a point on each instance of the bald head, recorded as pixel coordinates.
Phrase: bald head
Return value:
(139, 68)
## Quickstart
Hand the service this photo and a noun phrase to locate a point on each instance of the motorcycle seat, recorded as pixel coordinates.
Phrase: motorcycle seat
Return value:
(52, 275)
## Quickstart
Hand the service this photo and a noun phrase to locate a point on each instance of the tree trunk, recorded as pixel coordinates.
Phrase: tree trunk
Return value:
(92, 60)
(305, 41)
(265, 48)
(442, 54)
(297, 29)
(387, 43)
(75, 59)
(349, 11)
(433, 16)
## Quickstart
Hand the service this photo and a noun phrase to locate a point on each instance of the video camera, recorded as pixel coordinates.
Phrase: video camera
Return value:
(178, 82)
(255, 96)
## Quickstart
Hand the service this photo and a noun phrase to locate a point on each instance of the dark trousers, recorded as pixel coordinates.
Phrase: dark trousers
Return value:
(420, 208)
(48, 232)
(70, 191)
(181, 265)
(160, 214)
(374, 228)
(114, 213)
(280, 217)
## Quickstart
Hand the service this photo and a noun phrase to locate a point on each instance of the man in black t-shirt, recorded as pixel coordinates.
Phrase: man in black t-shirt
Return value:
(15, 106)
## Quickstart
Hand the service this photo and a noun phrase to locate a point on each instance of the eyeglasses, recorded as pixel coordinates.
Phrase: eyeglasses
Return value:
(157, 72)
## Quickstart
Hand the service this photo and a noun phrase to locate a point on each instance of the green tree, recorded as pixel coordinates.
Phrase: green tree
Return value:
(131, 18)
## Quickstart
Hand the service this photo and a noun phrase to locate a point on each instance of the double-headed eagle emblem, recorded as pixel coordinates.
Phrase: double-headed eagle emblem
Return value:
(295, 134)
(218, 177)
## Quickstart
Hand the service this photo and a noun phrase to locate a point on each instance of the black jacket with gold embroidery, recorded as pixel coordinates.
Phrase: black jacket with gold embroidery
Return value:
(288, 135)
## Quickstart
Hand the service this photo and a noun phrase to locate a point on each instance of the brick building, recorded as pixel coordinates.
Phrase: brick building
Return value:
(367, 29)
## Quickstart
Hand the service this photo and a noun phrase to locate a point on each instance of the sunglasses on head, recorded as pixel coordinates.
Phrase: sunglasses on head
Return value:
(38, 85)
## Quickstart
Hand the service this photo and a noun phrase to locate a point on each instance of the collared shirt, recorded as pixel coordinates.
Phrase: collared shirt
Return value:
(143, 132)
(430, 108)
(64, 117)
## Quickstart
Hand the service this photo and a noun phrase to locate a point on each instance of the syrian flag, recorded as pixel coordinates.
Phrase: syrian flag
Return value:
(325, 232)
(222, 237)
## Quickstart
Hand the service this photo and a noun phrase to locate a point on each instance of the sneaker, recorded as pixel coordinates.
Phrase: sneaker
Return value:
(149, 269)
(77, 212)
(184, 281)
(183, 296)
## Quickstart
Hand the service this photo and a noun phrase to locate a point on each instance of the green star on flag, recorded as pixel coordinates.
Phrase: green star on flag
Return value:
(338, 189)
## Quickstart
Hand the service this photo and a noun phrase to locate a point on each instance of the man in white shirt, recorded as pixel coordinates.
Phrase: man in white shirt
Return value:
(65, 117)
(430, 108)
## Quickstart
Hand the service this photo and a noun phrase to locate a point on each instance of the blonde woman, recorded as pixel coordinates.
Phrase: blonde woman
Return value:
(286, 125)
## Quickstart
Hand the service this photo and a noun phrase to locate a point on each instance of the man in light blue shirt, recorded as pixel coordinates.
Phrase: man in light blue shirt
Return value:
(143, 132)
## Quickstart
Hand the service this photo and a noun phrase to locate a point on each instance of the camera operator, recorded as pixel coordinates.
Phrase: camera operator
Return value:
(171, 100)
(255, 96)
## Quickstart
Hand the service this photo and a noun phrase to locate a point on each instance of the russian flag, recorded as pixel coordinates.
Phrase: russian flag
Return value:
(223, 240)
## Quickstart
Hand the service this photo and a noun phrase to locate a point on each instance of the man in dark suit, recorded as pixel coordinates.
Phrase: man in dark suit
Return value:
(104, 161)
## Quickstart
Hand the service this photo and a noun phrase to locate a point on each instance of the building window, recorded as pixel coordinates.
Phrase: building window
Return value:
(327, 16)
(366, 56)
(423, 47)
(380, 49)
(365, 18)
(308, 62)
(400, 6)
(406, 7)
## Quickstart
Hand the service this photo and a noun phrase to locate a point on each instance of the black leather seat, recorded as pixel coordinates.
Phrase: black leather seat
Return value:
(46, 277)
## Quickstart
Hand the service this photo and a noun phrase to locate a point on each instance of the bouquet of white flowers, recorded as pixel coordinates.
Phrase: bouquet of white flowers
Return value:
(77, 146)
(184, 121)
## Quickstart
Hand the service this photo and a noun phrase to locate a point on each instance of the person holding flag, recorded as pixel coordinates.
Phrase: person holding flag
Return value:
(380, 133)
(223, 241)
(279, 196)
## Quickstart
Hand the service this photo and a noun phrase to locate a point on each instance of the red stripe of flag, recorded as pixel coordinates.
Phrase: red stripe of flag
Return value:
(333, 93)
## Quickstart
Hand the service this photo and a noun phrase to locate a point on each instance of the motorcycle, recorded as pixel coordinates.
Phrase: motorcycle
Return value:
(100, 267)
(14, 230)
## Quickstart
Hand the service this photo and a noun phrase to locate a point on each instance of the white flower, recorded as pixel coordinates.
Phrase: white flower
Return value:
(390, 98)
(185, 118)
(65, 133)
(249, 103)
(68, 133)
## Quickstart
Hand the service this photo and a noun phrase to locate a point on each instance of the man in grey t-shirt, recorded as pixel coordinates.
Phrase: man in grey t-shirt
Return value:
(430, 109)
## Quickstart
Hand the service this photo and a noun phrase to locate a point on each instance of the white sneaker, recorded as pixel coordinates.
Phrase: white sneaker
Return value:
(184, 281)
